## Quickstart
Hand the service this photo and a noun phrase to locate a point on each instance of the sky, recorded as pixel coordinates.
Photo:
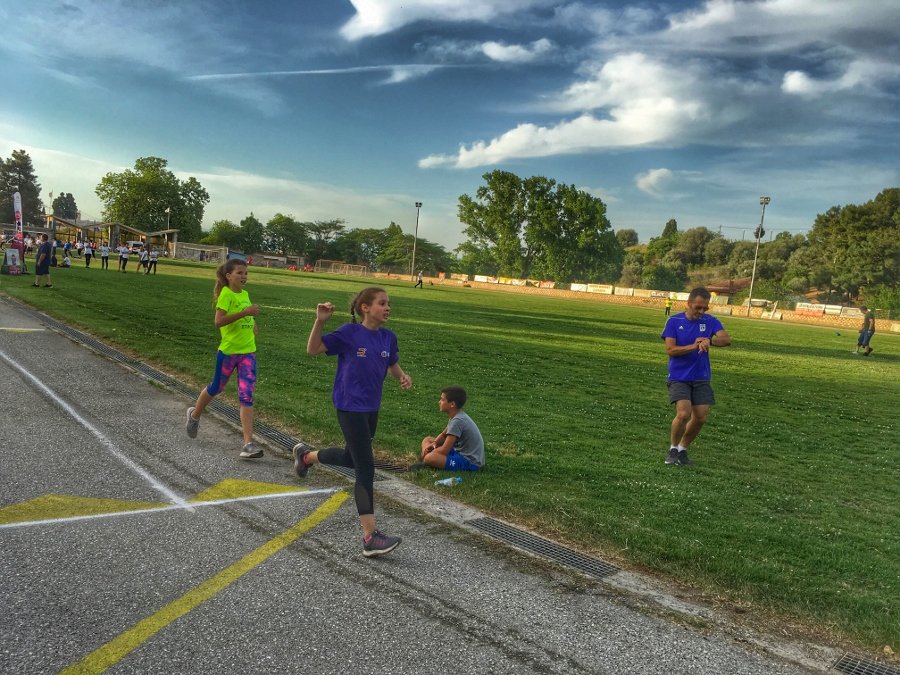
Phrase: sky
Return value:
(358, 109)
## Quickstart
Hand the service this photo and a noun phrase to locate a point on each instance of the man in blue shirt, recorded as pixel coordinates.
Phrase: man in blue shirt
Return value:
(689, 336)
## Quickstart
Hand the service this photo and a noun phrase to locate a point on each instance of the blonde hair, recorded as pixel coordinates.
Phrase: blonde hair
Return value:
(365, 297)
(221, 280)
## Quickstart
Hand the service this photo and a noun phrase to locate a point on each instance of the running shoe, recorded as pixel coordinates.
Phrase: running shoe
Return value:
(300, 451)
(379, 544)
(251, 451)
(192, 424)
(672, 457)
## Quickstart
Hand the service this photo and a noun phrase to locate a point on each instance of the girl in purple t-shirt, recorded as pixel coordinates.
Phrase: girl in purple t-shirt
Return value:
(366, 354)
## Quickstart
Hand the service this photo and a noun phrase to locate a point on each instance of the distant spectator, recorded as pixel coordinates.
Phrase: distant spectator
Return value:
(104, 256)
(42, 263)
(866, 331)
(67, 261)
(88, 253)
(418, 280)
(151, 262)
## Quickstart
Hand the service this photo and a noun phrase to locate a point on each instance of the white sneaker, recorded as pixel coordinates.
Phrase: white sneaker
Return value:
(251, 451)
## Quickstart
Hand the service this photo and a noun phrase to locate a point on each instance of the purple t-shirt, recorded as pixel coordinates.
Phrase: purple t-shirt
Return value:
(693, 365)
(364, 357)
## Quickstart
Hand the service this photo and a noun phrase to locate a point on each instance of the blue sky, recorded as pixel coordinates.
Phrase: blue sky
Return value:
(356, 109)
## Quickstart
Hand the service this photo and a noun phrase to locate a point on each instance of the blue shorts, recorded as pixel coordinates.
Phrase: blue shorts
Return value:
(864, 337)
(456, 462)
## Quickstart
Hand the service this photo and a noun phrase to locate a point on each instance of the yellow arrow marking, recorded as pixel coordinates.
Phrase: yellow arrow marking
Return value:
(57, 507)
(231, 488)
(52, 507)
(119, 647)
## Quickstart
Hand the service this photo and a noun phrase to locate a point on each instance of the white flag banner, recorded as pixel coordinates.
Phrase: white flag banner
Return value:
(17, 206)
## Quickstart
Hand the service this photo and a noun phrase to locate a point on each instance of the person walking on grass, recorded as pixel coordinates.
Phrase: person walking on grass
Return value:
(669, 305)
(143, 260)
(459, 447)
(367, 352)
(689, 336)
(104, 256)
(42, 263)
(88, 251)
(866, 331)
(123, 257)
(419, 279)
(237, 350)
(151, 264)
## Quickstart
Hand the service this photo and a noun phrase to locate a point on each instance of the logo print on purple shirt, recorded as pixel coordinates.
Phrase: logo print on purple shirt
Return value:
(361, 352)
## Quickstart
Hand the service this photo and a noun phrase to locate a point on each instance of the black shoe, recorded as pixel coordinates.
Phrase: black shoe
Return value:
(672, 457)
(868, 351)
(300, 451)
(379, 544)
(683, 458)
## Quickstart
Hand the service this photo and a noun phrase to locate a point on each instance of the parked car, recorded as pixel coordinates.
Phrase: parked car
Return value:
(135, 246)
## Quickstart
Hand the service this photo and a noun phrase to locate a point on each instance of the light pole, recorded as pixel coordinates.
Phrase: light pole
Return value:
(168, 214)
(412, 266)
(759, 232)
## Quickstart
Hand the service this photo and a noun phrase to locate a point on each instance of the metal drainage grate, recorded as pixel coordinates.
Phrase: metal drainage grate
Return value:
(229, 412)
(544, 548)
(851, 665)
(384, 465)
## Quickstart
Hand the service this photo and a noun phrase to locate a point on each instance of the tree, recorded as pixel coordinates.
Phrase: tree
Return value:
(285, 235)
(692, 244)
(17, 175)
(252, 235)
(716, 251)
(671, 228)
(627, 238)
(64, 206)
(495, 221)
(223, 233)
(536, 228)
(322, 234)
(140, 197)
(858, 245)
(396, 253)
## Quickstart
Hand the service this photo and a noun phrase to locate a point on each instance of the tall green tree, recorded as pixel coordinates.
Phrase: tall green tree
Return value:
(284, 234)
(223, 233)
(253, 235)
(859, 245)
(64, 206)
(627, 238)
(495, 219)
(140, 197)
(17, 174)
(535, 227)
(323, 234)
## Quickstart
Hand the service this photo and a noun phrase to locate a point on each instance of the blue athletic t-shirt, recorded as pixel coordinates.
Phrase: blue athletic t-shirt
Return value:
(693, 365)
(364, 357)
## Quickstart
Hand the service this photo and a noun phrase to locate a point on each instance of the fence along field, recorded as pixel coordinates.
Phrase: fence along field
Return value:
(791, 509)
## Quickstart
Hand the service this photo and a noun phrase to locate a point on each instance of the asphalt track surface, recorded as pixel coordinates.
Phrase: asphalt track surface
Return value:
(127, 547)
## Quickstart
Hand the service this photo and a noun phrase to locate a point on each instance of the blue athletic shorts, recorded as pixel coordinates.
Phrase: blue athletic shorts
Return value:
(456, 462)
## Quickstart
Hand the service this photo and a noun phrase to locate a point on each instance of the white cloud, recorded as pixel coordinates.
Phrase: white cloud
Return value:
(654, 181)
(377, 17)
(516, 53)
(644, 103)
(861, 73)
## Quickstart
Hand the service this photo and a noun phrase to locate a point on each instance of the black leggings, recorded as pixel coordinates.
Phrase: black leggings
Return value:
(359, 429)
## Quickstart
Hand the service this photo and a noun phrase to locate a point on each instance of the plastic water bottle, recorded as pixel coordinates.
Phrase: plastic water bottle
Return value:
(449, 482)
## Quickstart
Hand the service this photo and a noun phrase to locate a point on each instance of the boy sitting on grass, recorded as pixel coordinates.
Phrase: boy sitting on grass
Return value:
(459, 447)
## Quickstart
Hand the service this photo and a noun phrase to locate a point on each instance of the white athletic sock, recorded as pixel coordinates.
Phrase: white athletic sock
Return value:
(681, 447)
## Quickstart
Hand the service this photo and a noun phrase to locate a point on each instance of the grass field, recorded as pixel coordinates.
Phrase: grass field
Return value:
(792, 507)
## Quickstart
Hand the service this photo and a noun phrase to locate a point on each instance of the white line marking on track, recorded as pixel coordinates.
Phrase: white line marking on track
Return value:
(171, 507)
(108, 444)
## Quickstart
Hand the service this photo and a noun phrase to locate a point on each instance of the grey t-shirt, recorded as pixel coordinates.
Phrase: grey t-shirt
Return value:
(469, 442)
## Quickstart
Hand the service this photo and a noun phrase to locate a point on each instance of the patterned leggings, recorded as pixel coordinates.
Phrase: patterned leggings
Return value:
(246, 368)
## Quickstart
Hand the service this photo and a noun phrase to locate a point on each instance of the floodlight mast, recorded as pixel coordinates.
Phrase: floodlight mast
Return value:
(759, 234)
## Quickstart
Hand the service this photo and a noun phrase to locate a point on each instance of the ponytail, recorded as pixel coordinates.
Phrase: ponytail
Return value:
(221, 280)
(365, 297)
